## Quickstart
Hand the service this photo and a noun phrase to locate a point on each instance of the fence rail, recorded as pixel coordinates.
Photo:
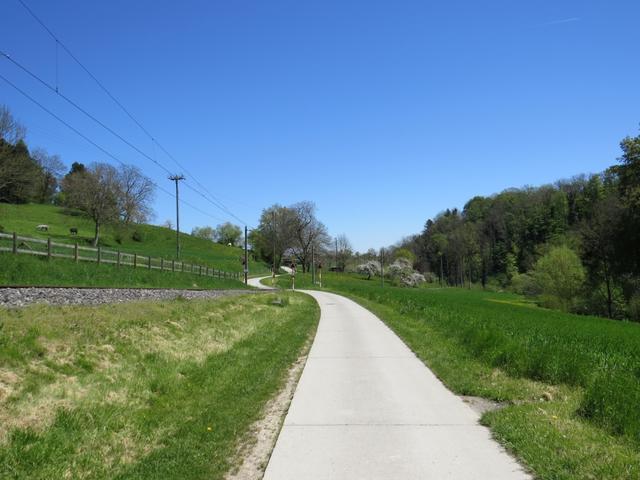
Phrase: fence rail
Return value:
(18, 244)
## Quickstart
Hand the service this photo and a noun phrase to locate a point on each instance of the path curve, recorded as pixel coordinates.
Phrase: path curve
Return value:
(367, 408)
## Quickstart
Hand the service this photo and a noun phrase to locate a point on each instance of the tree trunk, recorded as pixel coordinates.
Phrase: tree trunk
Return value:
(96, 237)
(609, 293)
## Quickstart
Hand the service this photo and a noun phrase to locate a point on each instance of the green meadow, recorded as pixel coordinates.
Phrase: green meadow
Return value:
(570, 384)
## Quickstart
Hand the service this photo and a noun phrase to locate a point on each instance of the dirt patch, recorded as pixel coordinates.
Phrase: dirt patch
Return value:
(254, 452)
(481, 405)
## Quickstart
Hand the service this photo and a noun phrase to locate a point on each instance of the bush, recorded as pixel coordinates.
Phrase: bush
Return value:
(119, 235)
(403, 273)
(137, 236)
(524, 284)
(559, 276)
(370, 269)
(1, 228)
(431, 277)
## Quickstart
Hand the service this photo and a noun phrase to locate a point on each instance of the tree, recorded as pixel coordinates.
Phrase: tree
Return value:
(228, 234)
(11, 130)
(206, 233)
(136, 195)
(628, 175)
(96, 192)
(275, 233)
(168, 223)
(598, 242)
(19, 174)
(52, 171)
(344, 250)
(308, 232)
(560, 276)
(371, 268)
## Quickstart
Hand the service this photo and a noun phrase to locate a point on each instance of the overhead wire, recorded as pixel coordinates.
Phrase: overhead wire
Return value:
(94, 144)
(212, 198)
(103, 125)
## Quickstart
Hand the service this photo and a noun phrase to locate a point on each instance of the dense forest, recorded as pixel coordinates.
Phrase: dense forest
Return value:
(574, 244)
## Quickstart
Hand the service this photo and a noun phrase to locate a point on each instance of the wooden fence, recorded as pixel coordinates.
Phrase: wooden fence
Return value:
(17, 244)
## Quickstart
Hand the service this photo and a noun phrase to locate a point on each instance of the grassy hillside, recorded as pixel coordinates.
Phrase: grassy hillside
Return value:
(143, 390)
(154, 241)
(571, 383)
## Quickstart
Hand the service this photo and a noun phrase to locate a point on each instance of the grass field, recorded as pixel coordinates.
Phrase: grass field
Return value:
(571, 383)
(31, 270)
(141, 390)
(154, 241)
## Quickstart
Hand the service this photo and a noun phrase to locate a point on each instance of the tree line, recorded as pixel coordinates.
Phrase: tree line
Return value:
(106, 194)
(574, 244)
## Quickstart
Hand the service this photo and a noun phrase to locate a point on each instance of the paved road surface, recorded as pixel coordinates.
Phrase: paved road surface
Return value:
(367, 408)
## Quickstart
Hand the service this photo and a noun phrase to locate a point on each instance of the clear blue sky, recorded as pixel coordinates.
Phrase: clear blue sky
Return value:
(382, 113)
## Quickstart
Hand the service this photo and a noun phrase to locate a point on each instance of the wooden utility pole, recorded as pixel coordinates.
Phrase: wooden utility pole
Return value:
(273, 225)
(177, 178)
(246, 258)
(382, 266)
(313, 266)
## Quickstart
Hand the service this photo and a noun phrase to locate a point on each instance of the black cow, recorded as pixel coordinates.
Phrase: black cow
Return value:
(73, 231)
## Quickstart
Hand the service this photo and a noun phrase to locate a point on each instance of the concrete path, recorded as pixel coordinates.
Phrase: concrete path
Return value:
(367, 408)
(255, 282)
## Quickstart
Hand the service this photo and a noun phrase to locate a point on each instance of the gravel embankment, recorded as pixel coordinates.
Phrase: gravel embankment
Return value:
(20, 297)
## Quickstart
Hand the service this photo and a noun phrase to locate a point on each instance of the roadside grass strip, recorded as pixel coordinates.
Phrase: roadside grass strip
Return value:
(144, 389)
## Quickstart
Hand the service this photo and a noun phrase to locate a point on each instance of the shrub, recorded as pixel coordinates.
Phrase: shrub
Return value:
(431, 277)
(403, 273)
(1, 228)
(559, 275)
(370, 269)
(137, 236)
(524, 284)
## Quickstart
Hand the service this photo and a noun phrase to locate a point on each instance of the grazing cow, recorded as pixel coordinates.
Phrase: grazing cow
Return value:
(43, 228)
(73, 231)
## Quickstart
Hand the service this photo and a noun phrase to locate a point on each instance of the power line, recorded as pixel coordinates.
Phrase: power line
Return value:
(80, 109)
(87, 139)
(109, 129)
(215, 201)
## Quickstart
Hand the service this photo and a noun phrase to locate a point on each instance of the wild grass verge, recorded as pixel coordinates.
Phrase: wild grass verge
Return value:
(141, 390)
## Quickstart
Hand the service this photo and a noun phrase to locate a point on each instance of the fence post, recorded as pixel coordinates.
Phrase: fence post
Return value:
(200, 270)
(15, 242)
(182, 265)
(173, 265)
(161, 264)
(99, 254)
(149, 261)
(75, 252)
(49, 248)
(118, 260)
(135, 260)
